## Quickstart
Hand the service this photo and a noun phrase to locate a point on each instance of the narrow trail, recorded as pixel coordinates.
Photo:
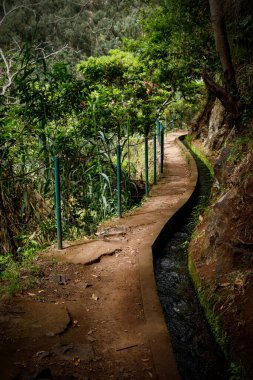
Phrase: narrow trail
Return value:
(94, 313)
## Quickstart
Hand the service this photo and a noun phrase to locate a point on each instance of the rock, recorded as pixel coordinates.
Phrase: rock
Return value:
(69, 351)
(220, 165)
(182, 235)
(44, 319)
(84, 285)
(114, 231)
(43, 354)
(95, 297)
(60, 279)
(217, 128)
(91, 339)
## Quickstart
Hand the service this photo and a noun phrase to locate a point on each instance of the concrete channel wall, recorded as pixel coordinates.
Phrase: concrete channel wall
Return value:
(157, 331)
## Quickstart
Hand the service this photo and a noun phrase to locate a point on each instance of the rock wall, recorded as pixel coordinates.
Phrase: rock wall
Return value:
(217, 127)
(224, 238)
(222, 248)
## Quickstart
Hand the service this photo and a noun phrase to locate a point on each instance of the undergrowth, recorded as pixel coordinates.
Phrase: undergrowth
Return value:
(241, 145)
(19, 274)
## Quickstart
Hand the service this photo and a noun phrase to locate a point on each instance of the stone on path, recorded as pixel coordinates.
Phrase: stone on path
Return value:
(70, 351)
(40, 319)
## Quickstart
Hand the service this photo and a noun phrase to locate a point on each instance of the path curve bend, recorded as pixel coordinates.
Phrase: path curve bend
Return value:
(156, 327)
(141, 233)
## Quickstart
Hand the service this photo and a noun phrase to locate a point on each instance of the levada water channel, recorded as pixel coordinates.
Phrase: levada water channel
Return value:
(198, 356)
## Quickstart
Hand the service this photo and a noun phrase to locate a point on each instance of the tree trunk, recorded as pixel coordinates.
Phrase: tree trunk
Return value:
(231, 103)
(222, 45)
(199, 125)
(7, 240)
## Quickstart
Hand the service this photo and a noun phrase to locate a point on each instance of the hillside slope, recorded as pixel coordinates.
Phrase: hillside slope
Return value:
(221, 252)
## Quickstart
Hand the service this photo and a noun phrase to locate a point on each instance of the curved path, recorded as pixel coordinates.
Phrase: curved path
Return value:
(107, 317)
(139, 231)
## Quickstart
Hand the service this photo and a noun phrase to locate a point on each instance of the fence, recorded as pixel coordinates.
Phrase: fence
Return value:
(149, 145)
(105, 178)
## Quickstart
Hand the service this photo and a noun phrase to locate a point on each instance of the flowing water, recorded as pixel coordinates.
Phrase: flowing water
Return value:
(198, 356)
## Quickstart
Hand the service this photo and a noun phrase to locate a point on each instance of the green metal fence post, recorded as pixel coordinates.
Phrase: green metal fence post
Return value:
(162, 147)
(146, 166)
(154, 144)
(58, 201)
(119, 180)
(158, 126)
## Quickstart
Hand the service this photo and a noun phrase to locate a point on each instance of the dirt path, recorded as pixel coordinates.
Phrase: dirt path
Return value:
(94, 313)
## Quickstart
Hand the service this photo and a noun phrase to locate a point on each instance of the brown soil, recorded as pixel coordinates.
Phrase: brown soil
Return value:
(89, 314)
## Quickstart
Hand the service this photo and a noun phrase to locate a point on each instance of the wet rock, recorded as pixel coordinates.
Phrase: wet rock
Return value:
(182, 235)
(166, 263)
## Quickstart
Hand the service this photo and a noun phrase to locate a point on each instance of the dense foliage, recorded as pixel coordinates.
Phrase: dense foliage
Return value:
(84, 28)
(79, 116)
(182, 44)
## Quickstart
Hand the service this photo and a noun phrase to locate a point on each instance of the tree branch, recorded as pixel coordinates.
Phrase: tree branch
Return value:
(165, 104)
(7, 13)
(46, 56)
(9, 75)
